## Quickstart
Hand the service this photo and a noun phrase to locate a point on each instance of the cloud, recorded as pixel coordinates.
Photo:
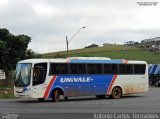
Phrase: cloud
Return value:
(48, 22)
(47, 10)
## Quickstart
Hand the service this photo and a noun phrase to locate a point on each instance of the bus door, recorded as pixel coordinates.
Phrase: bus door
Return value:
(39, 76)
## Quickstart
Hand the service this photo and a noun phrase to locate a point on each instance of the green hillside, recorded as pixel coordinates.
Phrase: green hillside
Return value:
(113, 52)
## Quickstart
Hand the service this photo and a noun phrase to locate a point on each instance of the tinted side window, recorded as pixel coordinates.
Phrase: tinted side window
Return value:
(114, 68)
(125, 69)
(58, 68)
(129, 69)
(107, 68)
(94, 68)
(139, 68)
(98, 68)
(77, 69)
(110, 68)
(90, 68)
(64, 68)
(81, 69)
(73, 68)
(122, 69)
(54, 69)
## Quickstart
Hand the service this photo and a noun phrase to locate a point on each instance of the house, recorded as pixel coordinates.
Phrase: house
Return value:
(130, 43)
(107, 44)
(92, 46)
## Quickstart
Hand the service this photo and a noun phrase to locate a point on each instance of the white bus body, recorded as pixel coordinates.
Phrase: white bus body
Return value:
(50, 78)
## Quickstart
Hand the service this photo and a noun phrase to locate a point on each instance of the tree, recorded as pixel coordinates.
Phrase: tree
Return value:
(3, 46)
(32, 54)
(13, 48)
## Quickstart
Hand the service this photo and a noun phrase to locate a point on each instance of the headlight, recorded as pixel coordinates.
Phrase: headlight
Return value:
(25, 89)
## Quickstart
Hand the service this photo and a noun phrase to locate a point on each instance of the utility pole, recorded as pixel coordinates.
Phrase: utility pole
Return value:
(124, 50)
(68, 41)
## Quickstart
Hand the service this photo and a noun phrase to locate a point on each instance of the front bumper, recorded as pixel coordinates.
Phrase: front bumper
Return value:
(24, 94)
(20, 92)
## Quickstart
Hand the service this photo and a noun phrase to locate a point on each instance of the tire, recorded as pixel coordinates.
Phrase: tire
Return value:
(56, 96)
(40, 99)
(116, 93)
(101, 96)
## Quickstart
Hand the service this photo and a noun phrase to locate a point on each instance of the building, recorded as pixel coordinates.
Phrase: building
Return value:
(129, 43)
(107, 44)
(156, 39)
(92, 46)
(2, 74)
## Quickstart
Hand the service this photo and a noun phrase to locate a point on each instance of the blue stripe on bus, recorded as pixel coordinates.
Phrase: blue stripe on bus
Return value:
(74, 85)
(96, 61)
(154, 69)
(150, 69)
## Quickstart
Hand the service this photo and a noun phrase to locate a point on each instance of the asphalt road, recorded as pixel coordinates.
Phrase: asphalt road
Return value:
(84, 106)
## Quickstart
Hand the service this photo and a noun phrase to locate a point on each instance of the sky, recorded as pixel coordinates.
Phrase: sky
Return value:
(48, 22)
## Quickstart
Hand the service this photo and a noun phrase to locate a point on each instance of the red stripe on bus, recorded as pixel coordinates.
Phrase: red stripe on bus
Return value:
(49, 87)
(112, 82)
(125, 61)
(68, 61)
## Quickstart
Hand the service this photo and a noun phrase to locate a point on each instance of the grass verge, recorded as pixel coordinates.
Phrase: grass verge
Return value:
(6, 93)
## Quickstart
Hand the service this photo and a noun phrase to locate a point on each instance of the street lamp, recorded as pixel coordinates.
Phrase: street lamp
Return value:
(68, 41)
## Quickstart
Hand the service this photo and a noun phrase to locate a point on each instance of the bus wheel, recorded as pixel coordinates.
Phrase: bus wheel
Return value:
(56, 96)
(116, 93)
(101, 96)
(40, 99)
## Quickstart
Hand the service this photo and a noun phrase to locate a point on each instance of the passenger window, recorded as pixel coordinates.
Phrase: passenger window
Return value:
(107, 69)
(122, 69)
(73, 68)
(114, 69)
(64, 68)
(54, 69)
(77, 69)
(94, 68)
(58, 68)
(98, 69)
(110, 68)
(139, 69)
(81, 69)
(129, 69)
(90, 69)
(125, 69)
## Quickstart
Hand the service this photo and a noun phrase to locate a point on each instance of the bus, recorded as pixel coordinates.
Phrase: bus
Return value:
(80, 76)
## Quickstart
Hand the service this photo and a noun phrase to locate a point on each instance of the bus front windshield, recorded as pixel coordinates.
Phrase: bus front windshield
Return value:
(23, 74)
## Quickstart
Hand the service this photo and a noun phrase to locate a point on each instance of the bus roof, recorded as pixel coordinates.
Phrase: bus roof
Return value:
(83, 60)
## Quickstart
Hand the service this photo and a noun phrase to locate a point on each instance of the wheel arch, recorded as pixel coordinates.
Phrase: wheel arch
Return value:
(58, 88)
(119, 86)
